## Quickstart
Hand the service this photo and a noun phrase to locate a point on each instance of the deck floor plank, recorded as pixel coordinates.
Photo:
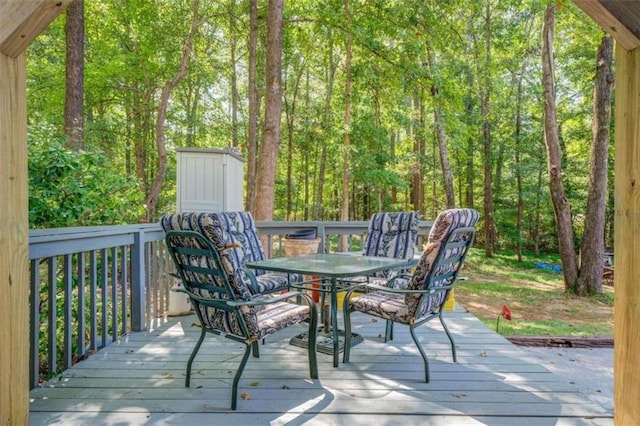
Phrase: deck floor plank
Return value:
(139, 380)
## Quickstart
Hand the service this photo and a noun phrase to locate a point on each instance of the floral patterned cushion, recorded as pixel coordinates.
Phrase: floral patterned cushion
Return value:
(236, 234)
(404, 307)
(260, 320)
(445, 223)
(392, 234)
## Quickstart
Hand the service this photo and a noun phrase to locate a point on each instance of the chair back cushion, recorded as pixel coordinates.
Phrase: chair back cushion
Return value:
(392, 234)
(204, 274)
(213, 226)
(243, 228)
(445, 224)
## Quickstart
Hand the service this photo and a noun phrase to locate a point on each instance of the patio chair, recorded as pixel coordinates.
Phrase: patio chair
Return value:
(423, 299)
(389, 234)
(236, 228)
(225, 306)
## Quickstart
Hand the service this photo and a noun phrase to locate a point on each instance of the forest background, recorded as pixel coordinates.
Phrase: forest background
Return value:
(386, 105)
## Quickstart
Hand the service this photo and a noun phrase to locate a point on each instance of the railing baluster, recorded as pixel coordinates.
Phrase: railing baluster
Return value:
(124, 279)
(104, 326)
(68, 311)
(34, 309)
(53, 314)
(93, 294)
(137, 284)
(114, 294)
(82, 348)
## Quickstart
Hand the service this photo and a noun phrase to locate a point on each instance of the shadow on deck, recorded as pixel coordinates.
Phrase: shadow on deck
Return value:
(140, 381)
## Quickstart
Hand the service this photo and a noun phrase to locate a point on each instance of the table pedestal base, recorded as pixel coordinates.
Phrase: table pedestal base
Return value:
(324, 342)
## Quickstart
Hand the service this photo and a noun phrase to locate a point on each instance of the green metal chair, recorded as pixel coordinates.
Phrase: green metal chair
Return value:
(225, 306)
(428, 287)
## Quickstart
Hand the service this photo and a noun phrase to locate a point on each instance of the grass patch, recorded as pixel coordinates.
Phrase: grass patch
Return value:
(535, 296)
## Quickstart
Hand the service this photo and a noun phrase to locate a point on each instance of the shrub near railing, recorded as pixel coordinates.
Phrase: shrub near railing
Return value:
(89, 286)
(92, 285)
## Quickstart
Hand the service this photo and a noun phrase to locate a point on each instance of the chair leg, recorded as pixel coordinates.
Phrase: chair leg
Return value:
(187, 381)
(347, 336)
(236, 379)
(388, 333)
(256, 348)
(422, 352)
(453, 343)
(312, 335)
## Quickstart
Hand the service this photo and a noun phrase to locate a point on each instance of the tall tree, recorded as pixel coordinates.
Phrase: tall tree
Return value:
(154, 192)
(484, 67)
(74, 89)
(592, 248)
(441, 135)
(561, 206)
(346, 154)
(233, 47)
(266, 173)
(254, 107)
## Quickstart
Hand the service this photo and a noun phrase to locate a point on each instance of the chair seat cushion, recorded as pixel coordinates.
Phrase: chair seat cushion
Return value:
(280, 315)
(383, 305)
(268, 319)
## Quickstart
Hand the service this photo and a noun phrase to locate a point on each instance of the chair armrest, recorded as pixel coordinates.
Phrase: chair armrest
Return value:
(409, 291)
(396, 277)
(270, 300)
(253, 283)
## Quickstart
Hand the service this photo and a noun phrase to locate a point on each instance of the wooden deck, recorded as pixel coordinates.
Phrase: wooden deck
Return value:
(140, 381)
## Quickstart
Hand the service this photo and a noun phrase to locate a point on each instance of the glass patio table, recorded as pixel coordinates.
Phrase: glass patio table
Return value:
(334, 270)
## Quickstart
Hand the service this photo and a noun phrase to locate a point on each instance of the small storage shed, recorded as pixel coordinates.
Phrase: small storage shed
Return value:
(209, 180)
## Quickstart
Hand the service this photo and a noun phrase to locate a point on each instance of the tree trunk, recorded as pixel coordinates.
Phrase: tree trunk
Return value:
(485, 110)
(290, 113)
(252, 136)
(74, 91)
(346, 160)
(419, 147)
(154, 193)
(592, 248)
(318, 213)
(561, 206)
(233, 45)
(266, 173)
(441, 135)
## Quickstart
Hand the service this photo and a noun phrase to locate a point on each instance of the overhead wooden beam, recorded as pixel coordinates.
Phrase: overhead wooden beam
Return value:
(22, 20)
(598, 11)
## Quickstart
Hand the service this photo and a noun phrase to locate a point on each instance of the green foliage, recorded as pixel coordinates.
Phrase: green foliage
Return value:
(77, 188)
(403, 54)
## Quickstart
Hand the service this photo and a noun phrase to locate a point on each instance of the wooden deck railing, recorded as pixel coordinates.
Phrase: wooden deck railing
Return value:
(92, 285)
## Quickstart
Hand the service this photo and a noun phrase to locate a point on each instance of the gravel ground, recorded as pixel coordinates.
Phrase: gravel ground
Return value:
(591, 369)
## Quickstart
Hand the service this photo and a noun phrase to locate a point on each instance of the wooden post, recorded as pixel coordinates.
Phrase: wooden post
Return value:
(14, 240)
(20, 22)
(627, 244)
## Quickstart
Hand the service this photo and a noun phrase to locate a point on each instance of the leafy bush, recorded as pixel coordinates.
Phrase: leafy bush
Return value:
(68, 188)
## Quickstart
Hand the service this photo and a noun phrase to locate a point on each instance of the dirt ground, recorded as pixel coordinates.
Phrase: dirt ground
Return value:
(550, 303)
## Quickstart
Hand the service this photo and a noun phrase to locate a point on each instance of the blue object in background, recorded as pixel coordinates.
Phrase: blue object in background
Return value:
(549, 266)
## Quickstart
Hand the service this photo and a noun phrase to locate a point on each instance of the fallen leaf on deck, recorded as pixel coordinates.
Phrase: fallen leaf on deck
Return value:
(245, 395)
